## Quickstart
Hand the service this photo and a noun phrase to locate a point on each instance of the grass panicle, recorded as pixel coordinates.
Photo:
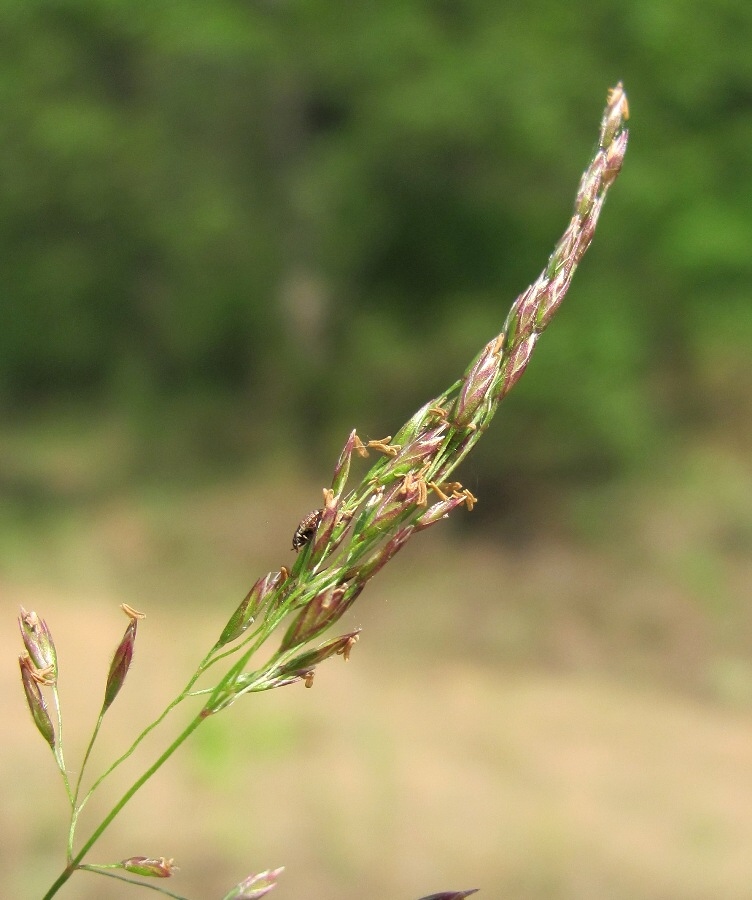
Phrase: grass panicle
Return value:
(341, 545)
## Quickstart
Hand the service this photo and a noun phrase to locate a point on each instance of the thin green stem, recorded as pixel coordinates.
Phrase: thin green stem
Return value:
(98, 870)
(77, 809)
(203, 665)
(133, 789)
(87, 754)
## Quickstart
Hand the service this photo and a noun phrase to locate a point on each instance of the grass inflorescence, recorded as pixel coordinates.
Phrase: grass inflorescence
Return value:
(340, 546)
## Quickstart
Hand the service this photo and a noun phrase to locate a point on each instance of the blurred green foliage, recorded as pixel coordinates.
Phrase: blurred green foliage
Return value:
(310, 214)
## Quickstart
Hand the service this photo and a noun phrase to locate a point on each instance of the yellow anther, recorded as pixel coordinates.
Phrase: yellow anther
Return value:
(131, 612)
(359, 447)
(383, 446)
(437, 490)
(470, 500)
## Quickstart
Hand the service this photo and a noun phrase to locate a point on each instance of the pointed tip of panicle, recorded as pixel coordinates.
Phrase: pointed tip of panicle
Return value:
(617, 100)
(616, 114)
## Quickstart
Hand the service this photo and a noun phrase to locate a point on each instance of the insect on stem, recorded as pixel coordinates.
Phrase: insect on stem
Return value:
(306, 530)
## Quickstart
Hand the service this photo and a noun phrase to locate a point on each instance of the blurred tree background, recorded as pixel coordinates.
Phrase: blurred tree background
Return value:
(233, 230)
(258, 222)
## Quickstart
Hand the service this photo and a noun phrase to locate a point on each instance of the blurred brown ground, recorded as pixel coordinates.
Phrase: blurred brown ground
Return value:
(563, 717)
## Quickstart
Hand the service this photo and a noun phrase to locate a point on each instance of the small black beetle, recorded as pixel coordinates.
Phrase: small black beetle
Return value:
(306, 530)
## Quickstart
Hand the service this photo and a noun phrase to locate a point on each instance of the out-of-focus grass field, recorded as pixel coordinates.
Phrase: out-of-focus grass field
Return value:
(565, 713)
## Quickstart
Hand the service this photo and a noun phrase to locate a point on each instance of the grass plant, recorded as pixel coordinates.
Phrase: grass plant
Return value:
(340, 547)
